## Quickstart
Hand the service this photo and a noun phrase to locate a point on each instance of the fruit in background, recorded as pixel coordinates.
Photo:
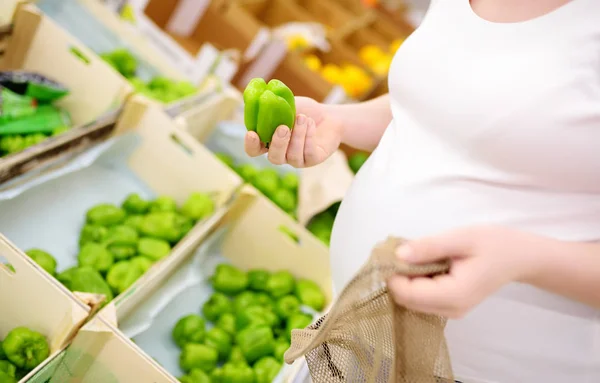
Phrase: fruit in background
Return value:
(247, 172)
(370, 54)
(226, 159)
(313, 62)
(355, 80)
(267, 106)
(290, 181)
(296, 42)
(395, 45)
(357, 160)
(122, 60)
(331, 73)
(267, 181)
(285, 199)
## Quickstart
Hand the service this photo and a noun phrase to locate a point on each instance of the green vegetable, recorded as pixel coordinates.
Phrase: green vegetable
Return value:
(162, 204)
(285, 199)
(122, 275)
(105, 214)
(142, 262)
(267, 181)
(122, 60)
(266, 369)
(229, 279)
(2, 353)
(195, 376)
(281, 346)
(8, 368)
(154, 249)
(198, 356)
(257, 279)
(236, 356)
(12, 144)
(220, 340)
(89, 280)
(255, 342)
(25, 348)
(310, 294)
(92, 233)
(95, 256)
(280, 283)
(290, 182)
(237, 373)
(357, 160)
(297, 321)
(263, 299)
(66, 276)
(217, 305)
(226, 159)
(134, 221)
(189, 329)
(165, 225)
(247, 172)
(226, 322)
(216, 376)
(244, 300)
(121, 241)
(286, 306)
(267, 106)
(42, 258)
(44, 121)
(5, 378)
(256, 315)
(198, 206)
(134, 204)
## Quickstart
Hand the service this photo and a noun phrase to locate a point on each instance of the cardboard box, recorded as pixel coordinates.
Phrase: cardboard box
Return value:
(327, 12)
(149, 155)
(29, 297)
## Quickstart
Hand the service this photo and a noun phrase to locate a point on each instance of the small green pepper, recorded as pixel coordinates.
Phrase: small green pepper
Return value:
(92, 233)
(95, 256)
(286, 306)
(255, 315)
(310, 294)
(237, 373)
(7, 368)
(163, 203)
(267, 106)
(257, 279)
(247, 172)
(244, 300)
(43, 259)
(105, 215)
(281, 346)
(216, 376)
(166, 225)
(134, 204)
(134, 221)
(152, 248)
(226, 322)
(25, 348)
(255, 342)
(121, 241)
(280, 283)
(195, 376)
(229, 279)
(189, 329)
(297, 321)
(263, 299)
(142, 262)
(236, 356)
(285, 199)
(267, 181)
(89, 280)
(65, 277)
(122, 275)
(217, 305)
(266, 369)
(198, 206)
(2, 353)
(198, 356)
(220, 340)
(290, 182)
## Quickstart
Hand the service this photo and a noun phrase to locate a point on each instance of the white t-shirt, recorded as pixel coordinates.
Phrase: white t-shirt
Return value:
(492, 124)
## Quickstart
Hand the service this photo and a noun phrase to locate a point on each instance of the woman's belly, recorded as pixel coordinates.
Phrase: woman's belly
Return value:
(521, 334)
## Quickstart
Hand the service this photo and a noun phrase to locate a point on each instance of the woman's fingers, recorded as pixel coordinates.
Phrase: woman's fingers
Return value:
(295, 151)
(311, 150)
(253, 146)
(279, 145)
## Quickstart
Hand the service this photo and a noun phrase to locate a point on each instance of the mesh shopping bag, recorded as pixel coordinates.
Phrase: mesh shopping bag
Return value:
(367, 338)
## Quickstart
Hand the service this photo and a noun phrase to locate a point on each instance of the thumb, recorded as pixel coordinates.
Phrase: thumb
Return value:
(436, 248)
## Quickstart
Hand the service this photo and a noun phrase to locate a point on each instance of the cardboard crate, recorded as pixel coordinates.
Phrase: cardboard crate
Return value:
(149, 155)
(30, 298)
(39, 45)
(326, 12)
(7, 8)
(250, 235)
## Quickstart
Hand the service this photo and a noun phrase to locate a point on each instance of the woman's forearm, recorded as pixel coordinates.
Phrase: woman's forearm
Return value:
(364, 123)
(568, 269)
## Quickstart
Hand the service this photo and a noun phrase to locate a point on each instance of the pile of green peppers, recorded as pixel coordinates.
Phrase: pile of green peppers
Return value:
(321, 225)
(118, 244)
(251, 316)
(21, 351)
(281, 189)
(159, 88)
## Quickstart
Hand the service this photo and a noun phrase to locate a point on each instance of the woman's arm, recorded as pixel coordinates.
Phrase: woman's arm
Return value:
(363, 123)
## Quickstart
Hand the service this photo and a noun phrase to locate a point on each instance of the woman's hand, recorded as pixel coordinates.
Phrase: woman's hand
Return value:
(315, 137)
(483, 259)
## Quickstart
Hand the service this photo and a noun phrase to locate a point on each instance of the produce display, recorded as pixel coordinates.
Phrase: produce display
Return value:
(322, 224)
(27, 113)
(281, 189)
(354, 79)
(21, 351)
(377, 59)
(245, 326)
(118, 244)
(159, 88)
(357, 160)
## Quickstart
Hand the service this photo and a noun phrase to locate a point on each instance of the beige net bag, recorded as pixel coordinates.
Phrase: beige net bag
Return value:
(367, 338)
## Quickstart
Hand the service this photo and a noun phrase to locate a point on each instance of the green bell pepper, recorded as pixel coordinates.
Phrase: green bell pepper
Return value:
(95, 256)
(246, 171)
(236, 356)
(105, 214)
(281, 346)
(237, 373)
(121, 241)
(226, 322)
(65, 276)
(287, 306)
(92, 233)
(134, 221)
(267, 181)
(5, 378)
(285, 199)
(8, 368)
(281, 283)
(142, 262)
(263, 299)
(216, 376)
(220, 340)
(3, 354)
(229, 279)
(256, 315)
(297, 321)
(255, 342)
(152, 248)
(268, 106)
(290, 182)
(198, 356)
(244, 300)
(134, 204)
(25, 348)
(266, 369)
(163, 203)
(43, 259)
(198, 206)
(217, 305)
(189, 329)
(122, 275)
(89, 280)
(226, 159)
(195, 376)
(166, 225)
(310, 294)
(257, 279)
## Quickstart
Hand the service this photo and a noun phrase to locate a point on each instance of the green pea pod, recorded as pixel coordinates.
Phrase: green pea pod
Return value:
(267, 106)
(26, 348)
